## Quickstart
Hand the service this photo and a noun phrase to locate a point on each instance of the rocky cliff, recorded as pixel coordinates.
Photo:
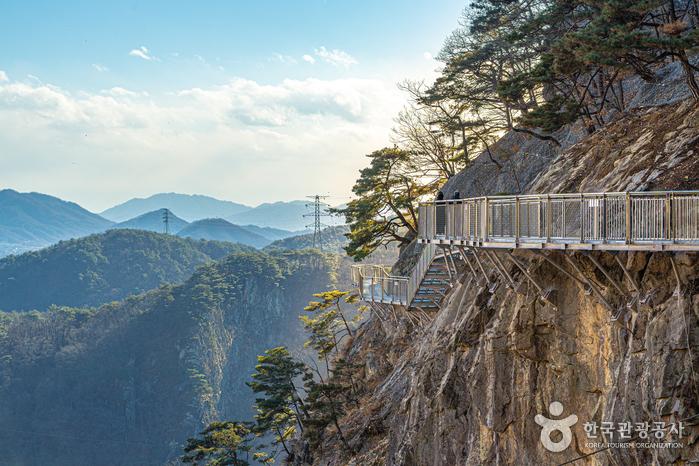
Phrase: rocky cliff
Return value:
(465, 386)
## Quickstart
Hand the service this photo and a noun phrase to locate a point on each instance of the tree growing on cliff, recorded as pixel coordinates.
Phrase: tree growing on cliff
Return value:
(226, 443)
(281, 409)
(326, 405)
(385, 210)
(328, 323)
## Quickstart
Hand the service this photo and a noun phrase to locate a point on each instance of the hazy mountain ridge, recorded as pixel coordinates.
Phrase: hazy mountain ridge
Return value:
(284, 215)
(220, 230)
(31, 221)
(189, 207)
(34, 220)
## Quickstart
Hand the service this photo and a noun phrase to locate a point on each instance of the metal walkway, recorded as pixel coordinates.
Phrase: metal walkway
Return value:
(376, 284)
(647, 221)
(636, 221)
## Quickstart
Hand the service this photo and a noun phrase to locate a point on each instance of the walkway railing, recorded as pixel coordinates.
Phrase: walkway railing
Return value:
(376, 284)
(625, 220)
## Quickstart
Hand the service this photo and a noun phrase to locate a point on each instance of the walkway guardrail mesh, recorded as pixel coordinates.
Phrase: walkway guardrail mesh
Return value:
(376, 284)
(636, 218)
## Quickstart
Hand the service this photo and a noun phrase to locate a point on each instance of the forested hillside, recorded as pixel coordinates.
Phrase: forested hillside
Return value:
(101, 268)
(332, 238)
(127, 383)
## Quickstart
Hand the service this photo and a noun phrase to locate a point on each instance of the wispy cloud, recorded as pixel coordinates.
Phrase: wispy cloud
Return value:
(100, 68)
(336, 57)
(285, 59)
(143, 52)
(3, 76)
(309, 59)
(121, 92)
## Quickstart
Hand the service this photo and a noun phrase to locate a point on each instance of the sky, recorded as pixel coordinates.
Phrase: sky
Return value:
(251, 101)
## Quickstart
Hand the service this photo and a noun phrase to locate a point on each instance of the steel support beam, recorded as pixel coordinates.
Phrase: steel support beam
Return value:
(628, 275)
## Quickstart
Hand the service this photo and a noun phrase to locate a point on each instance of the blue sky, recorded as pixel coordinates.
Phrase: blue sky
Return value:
(102, 102)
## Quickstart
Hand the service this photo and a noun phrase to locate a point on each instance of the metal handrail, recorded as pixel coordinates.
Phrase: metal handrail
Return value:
(613, 220)
(376, 284)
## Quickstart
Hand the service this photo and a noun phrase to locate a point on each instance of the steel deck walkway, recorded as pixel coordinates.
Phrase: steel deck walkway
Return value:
(635, 221)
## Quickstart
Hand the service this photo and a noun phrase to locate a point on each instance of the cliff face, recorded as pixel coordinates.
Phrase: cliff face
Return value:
(465, 387)
(128, 383)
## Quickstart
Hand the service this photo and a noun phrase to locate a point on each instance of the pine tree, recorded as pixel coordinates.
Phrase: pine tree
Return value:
(385, 210)
(280, 410)
(225, 444)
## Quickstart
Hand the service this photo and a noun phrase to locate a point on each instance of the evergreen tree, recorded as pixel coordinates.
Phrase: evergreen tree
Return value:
(385, 210)
(225, 444)
(281, 409)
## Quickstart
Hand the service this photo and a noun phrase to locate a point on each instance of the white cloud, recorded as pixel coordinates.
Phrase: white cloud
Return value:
(100, 68)
(285, 59)
(3, 76)
(142, 52)
(103, 147)
(309, 59)
(121, 92)
(427, 56)
(255, 104)
(336, 57)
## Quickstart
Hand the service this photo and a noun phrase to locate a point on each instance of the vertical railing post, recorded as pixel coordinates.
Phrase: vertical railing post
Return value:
(517, 222)
(549, 218)
(582, 218)
(627, 206)
(603, 228)
(382, 280)
(467, 221)
(486, 215)
(668, 217)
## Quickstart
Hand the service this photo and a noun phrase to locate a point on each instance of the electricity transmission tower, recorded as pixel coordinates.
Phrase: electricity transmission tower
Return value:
(166, 220)
(319, 211)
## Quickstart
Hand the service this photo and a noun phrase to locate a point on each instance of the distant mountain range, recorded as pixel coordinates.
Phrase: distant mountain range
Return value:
(189, 207)
(280, 215)
(32, 220)
(286, 215)
(220, 230)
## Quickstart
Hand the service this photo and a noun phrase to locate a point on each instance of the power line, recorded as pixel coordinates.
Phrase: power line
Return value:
(320, 209)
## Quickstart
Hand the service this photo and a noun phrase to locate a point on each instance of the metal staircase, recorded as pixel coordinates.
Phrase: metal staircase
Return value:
(435, 285)
(430, 281)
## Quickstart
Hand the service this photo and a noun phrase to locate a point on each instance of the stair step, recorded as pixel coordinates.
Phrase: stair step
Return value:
(434, 286)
